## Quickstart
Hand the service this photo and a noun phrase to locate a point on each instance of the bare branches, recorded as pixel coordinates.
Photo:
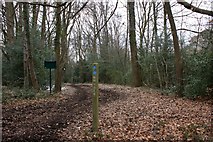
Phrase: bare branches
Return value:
(112, 13)
(84, 5)
(49, 5)
(195, 9)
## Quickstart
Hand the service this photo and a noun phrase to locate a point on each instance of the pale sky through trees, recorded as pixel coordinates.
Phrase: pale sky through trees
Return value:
(184, 18)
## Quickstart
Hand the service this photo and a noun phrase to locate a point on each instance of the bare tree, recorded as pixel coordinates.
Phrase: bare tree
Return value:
(10, 21)
(35, 17)
(58, 49)
(61, 39)
(143, 10)
(136, 70)
(43, 25)
(29, 62)
(178, 59)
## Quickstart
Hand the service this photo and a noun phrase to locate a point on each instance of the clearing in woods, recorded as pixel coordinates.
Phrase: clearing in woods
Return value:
(125, 113)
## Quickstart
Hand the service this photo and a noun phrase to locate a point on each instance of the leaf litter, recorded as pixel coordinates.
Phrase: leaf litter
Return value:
(125, 113)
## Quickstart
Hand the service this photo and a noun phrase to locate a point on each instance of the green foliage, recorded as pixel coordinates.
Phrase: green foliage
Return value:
(68, 73)
(158, 67)
(115, 69)
(197, 73)
(194, 87)
(41, 53)
(81, 72)
(114, 73)
(12, 68)
(18, 93)
(148, 69)
(12, 93)
(108, 73)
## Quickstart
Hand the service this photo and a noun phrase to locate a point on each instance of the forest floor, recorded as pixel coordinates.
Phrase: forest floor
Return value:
(125, 113)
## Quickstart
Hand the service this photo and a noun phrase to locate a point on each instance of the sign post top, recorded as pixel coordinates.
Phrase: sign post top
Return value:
(50, 64)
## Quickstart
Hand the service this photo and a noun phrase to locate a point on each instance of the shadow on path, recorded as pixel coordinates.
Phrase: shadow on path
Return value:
(43, 121)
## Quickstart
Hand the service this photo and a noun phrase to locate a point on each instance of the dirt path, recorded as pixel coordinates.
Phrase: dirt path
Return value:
(41, 120)
(125, 113)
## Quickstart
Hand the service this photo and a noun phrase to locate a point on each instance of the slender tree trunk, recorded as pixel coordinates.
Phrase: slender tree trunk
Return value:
(94, 48)
(148, 37)
(104, 50)
(165, 43)
(211, 55)
(178, 59)
(165, 48)
(10, 21)
(25, 51)
(79, 54)
(20, 19)
(35, 17)
(64, 48)
(155, 27)
(136, 70)
(29, 46)
(126, 59)
(156, 43)
(19, 32)
(58, 70)
(43, 26)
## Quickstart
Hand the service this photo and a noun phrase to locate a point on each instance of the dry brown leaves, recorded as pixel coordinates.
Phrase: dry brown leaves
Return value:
(126, 113)
(143, 114)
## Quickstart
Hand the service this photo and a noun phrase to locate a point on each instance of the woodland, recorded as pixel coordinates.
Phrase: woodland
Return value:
(155, 70)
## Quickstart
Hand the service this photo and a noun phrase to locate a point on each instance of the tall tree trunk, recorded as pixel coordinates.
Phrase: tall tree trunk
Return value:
(43, 26)
(126, 59)
(156, 43)
(178, 59)
(20, 19)
(155, 27)
(19, 31)
(35, 17)
(26, 69)
(165, 48)
(64, 43)
(29, 47)
(10, 21)
(165, 43)
(104, 49)
(147, 40)
(94, 48)
(58, 72)
(79, 44)
(136, 70)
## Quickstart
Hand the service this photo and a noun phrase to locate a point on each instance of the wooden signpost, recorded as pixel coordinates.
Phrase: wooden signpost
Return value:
(95, 94)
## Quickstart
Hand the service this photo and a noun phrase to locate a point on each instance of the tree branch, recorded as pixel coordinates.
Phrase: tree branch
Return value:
(183, 29)
(112, 13)
(195, 9)
(79, 9)
(66, 6)
(48, 5)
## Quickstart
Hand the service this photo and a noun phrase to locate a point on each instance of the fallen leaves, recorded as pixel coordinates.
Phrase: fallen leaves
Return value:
(125, 113)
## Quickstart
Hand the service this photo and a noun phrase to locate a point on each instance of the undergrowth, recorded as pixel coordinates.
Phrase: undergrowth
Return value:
(15, 93)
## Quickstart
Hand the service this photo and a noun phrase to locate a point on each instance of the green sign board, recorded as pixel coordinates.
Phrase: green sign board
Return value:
(50, 64)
